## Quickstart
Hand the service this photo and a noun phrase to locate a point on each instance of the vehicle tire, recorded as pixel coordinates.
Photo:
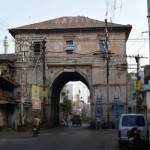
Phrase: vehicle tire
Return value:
(120, 145)
(34, 133)
(145, 147)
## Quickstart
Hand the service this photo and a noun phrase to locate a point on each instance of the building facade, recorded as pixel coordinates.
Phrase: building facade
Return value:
(76, 49)
(143, 94)
(8, 103)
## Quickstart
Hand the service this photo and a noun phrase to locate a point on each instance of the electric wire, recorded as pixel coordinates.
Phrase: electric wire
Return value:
(117, 40)
(120, 9)
(4, 23)
(135, 41)
(3, 30)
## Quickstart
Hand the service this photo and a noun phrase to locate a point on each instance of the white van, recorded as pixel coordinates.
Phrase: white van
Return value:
(127, 122)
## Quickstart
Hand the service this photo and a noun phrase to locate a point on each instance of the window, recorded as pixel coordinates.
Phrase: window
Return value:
(102, 45)
(69, 45)
(133, 121)
(37, 47)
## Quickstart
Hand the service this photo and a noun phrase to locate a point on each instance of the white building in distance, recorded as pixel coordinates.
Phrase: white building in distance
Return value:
(80, 89)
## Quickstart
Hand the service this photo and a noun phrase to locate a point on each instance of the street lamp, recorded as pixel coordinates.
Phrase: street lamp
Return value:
(44, 81)
(107, 61)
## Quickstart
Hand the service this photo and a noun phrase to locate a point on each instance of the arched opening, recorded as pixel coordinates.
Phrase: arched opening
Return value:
(57, 86)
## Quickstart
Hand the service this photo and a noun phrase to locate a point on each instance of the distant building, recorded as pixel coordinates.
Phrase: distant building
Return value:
(132, 95)
(78, 93)
(78, 88)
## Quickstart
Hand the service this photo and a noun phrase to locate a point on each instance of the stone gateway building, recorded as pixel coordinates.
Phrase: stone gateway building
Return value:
(51, 53)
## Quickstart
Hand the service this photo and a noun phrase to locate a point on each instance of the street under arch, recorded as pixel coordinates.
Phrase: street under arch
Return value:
(57, 86)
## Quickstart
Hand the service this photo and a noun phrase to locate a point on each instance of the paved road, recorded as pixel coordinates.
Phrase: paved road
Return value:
(62, 138)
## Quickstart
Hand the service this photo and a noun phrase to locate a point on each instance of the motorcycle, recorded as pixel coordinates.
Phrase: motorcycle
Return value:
(35, 130)
(134, 138)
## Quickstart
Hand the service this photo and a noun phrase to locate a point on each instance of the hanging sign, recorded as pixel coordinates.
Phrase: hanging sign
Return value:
(36, 102)
(44, 94)
(23, 80)
(35, 92)
(137, 85)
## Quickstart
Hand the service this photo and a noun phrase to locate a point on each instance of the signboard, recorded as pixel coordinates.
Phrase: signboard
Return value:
(44, 93)
(69, 70)
(36, 103)
(23, 80)
(35, 92)
(137, 85)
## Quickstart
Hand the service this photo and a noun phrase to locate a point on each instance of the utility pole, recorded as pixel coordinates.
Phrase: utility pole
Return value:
(44, 81)
(107, 61)
(148, 9)
(21, 43)
(23, 84)
(137, 82)
(137, 85)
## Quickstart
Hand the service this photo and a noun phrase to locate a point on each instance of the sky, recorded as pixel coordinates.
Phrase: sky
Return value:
(15, 13)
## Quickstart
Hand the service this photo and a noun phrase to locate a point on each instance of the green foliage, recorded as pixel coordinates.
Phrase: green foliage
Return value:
(129, 76)
(66, 105)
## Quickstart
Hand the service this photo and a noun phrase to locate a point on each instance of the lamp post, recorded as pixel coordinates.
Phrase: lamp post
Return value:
(107, 59)
(44, 81)
(107, 65)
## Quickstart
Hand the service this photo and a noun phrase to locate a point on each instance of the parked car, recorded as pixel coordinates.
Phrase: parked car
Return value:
(76, 120)
(127, 122)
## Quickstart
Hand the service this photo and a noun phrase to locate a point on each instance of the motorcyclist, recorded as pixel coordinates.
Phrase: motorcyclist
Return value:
(36, 122)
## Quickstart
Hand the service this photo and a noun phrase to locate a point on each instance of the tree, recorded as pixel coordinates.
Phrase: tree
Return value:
(66, 105)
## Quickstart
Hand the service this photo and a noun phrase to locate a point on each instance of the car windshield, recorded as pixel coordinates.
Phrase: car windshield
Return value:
(133, 121)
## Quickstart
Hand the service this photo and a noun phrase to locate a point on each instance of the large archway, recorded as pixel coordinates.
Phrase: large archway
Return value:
(57, 86)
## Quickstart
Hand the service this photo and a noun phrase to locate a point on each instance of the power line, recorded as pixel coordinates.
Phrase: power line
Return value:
(121, 4)
(4, 30)
(135, 40)
(5, 24)
(113, 39)
(111, 9)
